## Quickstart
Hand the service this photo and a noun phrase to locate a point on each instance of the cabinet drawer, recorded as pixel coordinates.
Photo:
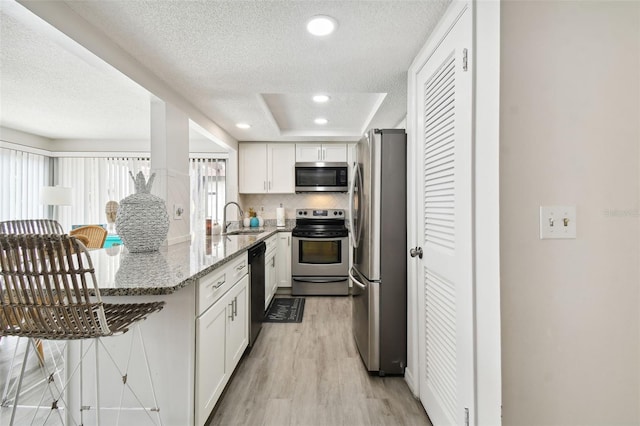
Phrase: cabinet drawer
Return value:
(238, 268)
(212, 286)
(272, 243)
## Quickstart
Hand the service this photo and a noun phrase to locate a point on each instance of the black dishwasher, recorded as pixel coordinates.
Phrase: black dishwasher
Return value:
(256, 292)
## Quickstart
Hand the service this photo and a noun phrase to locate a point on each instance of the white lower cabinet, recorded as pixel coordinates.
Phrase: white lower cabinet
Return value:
(270, 281)
(211, 374)
(237, 337)
(283, 265)
(222, 335)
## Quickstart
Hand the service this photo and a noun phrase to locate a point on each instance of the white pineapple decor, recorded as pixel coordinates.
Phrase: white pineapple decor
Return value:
(142, 221)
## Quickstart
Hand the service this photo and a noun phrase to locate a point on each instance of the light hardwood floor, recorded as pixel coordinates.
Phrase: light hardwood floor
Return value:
(310, 374)
(32, 387)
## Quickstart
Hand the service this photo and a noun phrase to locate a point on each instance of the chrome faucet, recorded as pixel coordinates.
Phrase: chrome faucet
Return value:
(225, 225)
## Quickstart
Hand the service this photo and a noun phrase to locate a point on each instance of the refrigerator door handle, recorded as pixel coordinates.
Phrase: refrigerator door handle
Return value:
(355, 281)
(352, 230)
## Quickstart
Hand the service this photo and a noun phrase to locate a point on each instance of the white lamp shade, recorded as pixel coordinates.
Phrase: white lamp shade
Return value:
(56, 196)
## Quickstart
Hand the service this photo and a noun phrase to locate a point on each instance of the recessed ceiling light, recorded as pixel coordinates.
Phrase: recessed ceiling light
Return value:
(320, 98)
(321, 25)
(320, 121)
(243, 126)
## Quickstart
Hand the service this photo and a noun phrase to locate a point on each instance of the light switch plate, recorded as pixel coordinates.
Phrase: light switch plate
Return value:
(178, 211)
(557, 222)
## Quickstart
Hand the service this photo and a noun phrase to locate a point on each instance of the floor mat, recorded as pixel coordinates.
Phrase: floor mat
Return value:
(289, 309)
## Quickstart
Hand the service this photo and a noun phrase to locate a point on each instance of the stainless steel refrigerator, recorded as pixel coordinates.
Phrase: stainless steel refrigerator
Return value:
(378, 224)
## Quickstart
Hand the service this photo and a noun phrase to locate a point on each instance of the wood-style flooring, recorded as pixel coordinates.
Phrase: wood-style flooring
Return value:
(306, 374)
(310, 374)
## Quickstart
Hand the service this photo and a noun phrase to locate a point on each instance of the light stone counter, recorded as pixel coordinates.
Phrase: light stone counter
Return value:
(120, 273)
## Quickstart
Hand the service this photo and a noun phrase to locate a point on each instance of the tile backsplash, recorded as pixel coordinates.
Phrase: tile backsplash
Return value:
(291, 202)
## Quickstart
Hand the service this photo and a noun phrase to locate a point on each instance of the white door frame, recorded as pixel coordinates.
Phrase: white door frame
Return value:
(485, 64)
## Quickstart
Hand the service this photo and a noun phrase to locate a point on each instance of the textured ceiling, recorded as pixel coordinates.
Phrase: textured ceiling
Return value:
(235, 61)
(47, 90)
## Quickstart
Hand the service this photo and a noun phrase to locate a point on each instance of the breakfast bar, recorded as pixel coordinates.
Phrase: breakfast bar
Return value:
(202, 331)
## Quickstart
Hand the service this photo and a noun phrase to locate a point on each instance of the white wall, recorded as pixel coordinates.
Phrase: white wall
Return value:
(24, 139)
(569, 135)
(58, 147)
(116, 146)
(486, 63)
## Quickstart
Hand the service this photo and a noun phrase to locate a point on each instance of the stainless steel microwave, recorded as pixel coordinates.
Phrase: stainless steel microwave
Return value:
(321, 177)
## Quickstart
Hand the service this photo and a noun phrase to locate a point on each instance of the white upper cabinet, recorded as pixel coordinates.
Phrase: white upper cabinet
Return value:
(352, 158)
(282, 160)
(266, 168)
(252, 168)
(352, 154)
(321, 152)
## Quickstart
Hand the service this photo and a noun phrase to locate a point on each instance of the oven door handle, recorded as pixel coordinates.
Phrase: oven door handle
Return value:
(355, 281)
(318, 281)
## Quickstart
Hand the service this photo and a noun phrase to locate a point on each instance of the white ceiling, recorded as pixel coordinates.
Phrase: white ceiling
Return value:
(235, 61)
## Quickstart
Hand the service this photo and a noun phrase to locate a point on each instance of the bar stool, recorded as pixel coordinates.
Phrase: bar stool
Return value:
(96, 235)
(48, 291)
(29, 226)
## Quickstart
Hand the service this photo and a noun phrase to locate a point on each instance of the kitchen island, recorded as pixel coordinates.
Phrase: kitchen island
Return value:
(193, 344)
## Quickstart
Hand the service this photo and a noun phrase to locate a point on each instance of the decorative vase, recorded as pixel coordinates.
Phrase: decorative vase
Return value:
(140, 269)
(254, 222)
(111, 210)
(142, 221)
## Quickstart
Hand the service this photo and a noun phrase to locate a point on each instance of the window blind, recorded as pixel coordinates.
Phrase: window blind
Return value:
(208, 191)
(22, 174)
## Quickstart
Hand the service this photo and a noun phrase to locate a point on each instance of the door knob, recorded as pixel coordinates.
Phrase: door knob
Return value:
(416, 251)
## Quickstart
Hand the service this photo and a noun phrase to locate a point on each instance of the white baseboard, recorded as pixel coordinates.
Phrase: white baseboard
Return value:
(411, 381)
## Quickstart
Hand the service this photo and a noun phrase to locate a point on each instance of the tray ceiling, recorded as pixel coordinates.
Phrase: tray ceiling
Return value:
(235, 61)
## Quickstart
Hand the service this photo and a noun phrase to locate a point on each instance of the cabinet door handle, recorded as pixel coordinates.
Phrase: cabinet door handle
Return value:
(288, 241)
(235, 306)
(273, 261)
(218, 284)
(269, 184)
(264, 185)
(241, 267)
(231, 308)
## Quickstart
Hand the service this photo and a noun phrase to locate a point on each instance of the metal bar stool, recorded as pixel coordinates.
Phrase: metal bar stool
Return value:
(48, 291)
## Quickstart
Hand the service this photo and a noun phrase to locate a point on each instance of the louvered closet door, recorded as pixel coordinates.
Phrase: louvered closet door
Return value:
(445, 194)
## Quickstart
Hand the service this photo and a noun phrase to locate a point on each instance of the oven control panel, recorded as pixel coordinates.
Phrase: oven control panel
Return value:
(320, 214)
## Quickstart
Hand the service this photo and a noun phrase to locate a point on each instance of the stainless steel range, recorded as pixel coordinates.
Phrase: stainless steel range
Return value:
(320, 253)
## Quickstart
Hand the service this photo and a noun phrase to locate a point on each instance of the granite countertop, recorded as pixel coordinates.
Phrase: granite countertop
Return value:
(120, 273)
